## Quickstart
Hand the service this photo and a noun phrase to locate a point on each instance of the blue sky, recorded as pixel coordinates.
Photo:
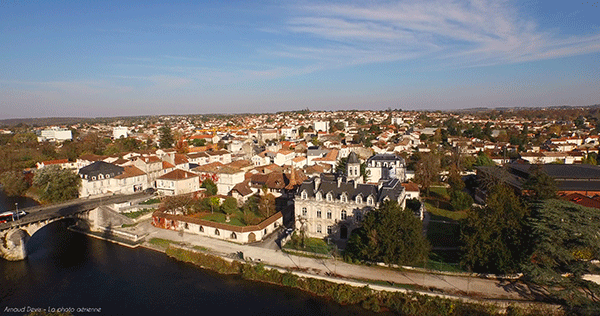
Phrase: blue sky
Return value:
(105, 58)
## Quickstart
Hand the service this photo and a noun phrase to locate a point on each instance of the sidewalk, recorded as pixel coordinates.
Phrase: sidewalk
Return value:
(457, 285)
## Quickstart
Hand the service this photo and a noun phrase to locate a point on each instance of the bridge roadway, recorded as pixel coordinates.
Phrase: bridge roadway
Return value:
(46, 212)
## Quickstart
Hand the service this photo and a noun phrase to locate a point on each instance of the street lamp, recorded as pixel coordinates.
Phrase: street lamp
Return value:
(17, 210)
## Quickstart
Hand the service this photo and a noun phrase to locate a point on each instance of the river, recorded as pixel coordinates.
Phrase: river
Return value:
(8, 203)
(70, 270)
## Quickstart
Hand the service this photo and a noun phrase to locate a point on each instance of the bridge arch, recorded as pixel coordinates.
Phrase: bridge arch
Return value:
(13, 241)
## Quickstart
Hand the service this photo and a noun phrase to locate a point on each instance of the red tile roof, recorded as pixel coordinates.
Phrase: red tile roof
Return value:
(178, 174)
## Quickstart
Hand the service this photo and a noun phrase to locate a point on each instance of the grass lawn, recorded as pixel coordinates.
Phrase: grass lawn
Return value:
(315, 245)
(138, 213)
(163, 243)
(443, 234)
(220, 218)
(439, 192)
(445, 260)
(151, 201)
(444, 210)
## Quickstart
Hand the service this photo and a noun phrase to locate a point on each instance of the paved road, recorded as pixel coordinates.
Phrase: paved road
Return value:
(44, 212)
(477, 287)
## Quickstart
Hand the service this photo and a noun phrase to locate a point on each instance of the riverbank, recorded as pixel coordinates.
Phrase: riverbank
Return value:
(371, 295)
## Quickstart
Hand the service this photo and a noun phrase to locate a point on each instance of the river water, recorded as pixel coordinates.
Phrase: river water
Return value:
(8, 203)
(70, 270)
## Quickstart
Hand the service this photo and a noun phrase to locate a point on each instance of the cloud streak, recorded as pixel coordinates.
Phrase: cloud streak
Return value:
(468, 33)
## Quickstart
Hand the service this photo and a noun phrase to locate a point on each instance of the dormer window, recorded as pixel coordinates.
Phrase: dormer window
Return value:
(329, 197)
(369, 201)
(359, 199)
(344, 198)
(304, 195)
(107, 176)
(100, 177)
(318, 196)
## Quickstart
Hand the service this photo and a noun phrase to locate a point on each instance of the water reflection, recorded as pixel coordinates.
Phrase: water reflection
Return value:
(7, 203)
(72, 270)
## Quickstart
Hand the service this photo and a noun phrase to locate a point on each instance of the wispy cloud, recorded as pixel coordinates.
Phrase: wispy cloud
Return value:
(468, 33)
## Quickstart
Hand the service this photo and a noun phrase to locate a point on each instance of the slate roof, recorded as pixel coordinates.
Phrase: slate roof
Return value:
(353, 158)
(560, 172)
(567, 177)
(329, 184)
(385, 157)
(101, 167)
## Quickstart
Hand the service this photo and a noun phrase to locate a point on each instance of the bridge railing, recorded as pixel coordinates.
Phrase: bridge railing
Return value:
(46, 212)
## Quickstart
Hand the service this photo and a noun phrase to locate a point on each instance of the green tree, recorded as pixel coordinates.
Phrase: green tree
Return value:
(391, 235)
(57, 184)
(210, 186)
(229, 206)
(460, 200)
(494, 237)
(198, 142)
(13, 183)
(539, 185)
(166, 137)
(427, 171)
(591, 159)
(565, 241)
(483, 160)
(266, 205)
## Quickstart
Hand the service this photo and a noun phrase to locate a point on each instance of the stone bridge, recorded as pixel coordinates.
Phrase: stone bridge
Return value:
(15, 235)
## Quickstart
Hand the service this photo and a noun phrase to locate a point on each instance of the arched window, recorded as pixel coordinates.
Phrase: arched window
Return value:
(329, 197)
(233, 235)
(369, 201)
(328, 214)
(344, 215)
(201, 229)
(318, 213)
(107, 176)
(217, 232)
(359, 199)
(186, 226)
(318, 196)
(100, 177)
(344, 198)
(304, 195)
(265, 231)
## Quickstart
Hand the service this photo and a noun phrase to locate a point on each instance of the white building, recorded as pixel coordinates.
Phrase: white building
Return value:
(330, 206)
(102, 178)
(228, 178)
(177, 182)
(321, 126)
(385, 166)
(120, 132)
(55, 134)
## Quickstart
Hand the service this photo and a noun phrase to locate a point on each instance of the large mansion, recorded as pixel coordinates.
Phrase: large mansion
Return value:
(332, 205)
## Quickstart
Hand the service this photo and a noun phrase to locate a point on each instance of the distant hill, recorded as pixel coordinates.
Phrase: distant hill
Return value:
(44, 121)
